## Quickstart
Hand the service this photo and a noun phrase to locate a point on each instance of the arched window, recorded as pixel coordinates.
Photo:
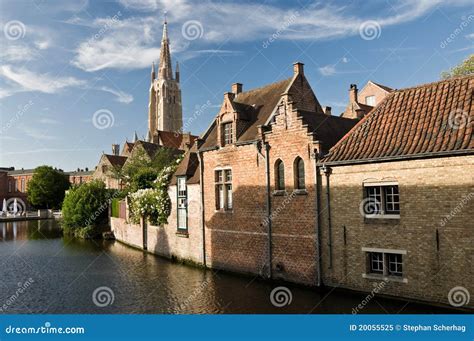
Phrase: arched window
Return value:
(299, 173)
(279, 175)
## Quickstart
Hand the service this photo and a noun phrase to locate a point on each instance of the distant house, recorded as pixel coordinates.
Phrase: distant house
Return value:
(362, 102)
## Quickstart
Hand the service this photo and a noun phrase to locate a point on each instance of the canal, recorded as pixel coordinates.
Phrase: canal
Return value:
(42, 271)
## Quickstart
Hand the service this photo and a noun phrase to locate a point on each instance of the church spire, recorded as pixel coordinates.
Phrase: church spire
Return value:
(165, 69)
(152, 71)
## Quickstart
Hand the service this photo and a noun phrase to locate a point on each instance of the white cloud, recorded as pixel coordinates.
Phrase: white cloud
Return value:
(16, 53)
(470, 36)
(49, 121)
(327, 70)
(122, 97)
(36, 133)
(133, 42)
(25, 80)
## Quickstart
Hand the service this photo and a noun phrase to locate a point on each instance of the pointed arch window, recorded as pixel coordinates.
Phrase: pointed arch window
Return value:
(299, 173)
(279, 175)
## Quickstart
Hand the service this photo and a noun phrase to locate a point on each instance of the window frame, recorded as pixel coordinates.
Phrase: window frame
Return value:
(223, 189)
(378, 192)
(226, 133)
(298, 178)
(181, 203)
(280, 177)
(389, 259)
(372, 97)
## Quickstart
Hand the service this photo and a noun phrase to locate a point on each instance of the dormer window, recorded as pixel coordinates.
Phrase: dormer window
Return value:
(228, 136)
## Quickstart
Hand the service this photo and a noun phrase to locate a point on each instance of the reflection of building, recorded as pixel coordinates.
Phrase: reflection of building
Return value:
(14, 182)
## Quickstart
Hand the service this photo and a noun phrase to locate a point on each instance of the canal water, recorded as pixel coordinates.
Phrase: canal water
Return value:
(42, 271)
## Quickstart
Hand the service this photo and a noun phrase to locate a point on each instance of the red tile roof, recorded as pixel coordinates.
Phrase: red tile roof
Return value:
(427, 119)
(116, 160)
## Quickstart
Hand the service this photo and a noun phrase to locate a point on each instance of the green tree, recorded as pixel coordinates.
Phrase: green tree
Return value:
(140, 171)
(85, 209)
(47, 187)
(463, 69)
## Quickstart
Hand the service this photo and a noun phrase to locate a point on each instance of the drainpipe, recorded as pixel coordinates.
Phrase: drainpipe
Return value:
(201, 188)
(269, 208)
(327, 172)
(317, 185)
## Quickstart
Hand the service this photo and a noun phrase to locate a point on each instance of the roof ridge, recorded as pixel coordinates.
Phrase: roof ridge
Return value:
(261, 88)
(425, 85)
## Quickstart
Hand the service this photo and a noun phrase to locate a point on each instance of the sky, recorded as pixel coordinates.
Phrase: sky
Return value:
(75, 74)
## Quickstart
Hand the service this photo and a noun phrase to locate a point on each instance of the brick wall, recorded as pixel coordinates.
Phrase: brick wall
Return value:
(165, 240)
(430, 190)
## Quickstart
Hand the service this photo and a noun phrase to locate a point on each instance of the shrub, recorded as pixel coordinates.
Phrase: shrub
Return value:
(85, 209)
(47, 187)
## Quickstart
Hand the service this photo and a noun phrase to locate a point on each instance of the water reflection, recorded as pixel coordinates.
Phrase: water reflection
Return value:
(66, 271)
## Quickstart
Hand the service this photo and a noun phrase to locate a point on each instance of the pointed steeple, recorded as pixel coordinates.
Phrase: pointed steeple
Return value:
(176, 74)
(152, 71)
(148, 137)
(135, 137)
(165, 68)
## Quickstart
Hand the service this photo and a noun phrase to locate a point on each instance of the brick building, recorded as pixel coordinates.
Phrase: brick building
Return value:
(397, 196)
(14, 183)
(362, 102)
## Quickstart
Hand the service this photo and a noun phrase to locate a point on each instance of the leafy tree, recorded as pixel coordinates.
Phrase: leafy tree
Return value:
(463, 69)
(85, 209)
(140, 170)
(47, 187)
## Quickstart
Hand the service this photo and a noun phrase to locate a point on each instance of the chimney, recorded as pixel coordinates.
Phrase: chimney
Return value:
(115, 149)
(236, 88)
(298, 68)
(327, 110)
(186, 142)
(353, 94)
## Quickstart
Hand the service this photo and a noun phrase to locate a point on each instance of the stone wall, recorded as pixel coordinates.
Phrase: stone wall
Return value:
(436, 196)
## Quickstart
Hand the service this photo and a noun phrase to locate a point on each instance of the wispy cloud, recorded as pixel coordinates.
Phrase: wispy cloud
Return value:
(36, 133)
(327, 70)
(122, 97)
(49, 121)
(133, 42)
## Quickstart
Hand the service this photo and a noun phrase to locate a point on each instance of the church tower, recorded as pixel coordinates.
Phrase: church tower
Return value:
(164, 109)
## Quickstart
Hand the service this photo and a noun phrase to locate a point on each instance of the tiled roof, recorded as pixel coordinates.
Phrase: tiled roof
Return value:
(189, 167)
(77, 173)
(257, 105)
(171, 139)
(327, 128)
(116, 160)
(424, 120)
(386, 88)
(21, 171)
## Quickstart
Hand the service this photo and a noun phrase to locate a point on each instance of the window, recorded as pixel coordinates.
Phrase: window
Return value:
(299, 173)
(223, 183)
(385, 263)
(279, 175)
(228, 136)
(9, 186)
(23, 185)
(15, 184)
(370, 100)
(182, 213)
(381, 200)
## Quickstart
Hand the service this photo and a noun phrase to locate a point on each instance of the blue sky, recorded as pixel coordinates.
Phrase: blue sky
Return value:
(62, 61)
